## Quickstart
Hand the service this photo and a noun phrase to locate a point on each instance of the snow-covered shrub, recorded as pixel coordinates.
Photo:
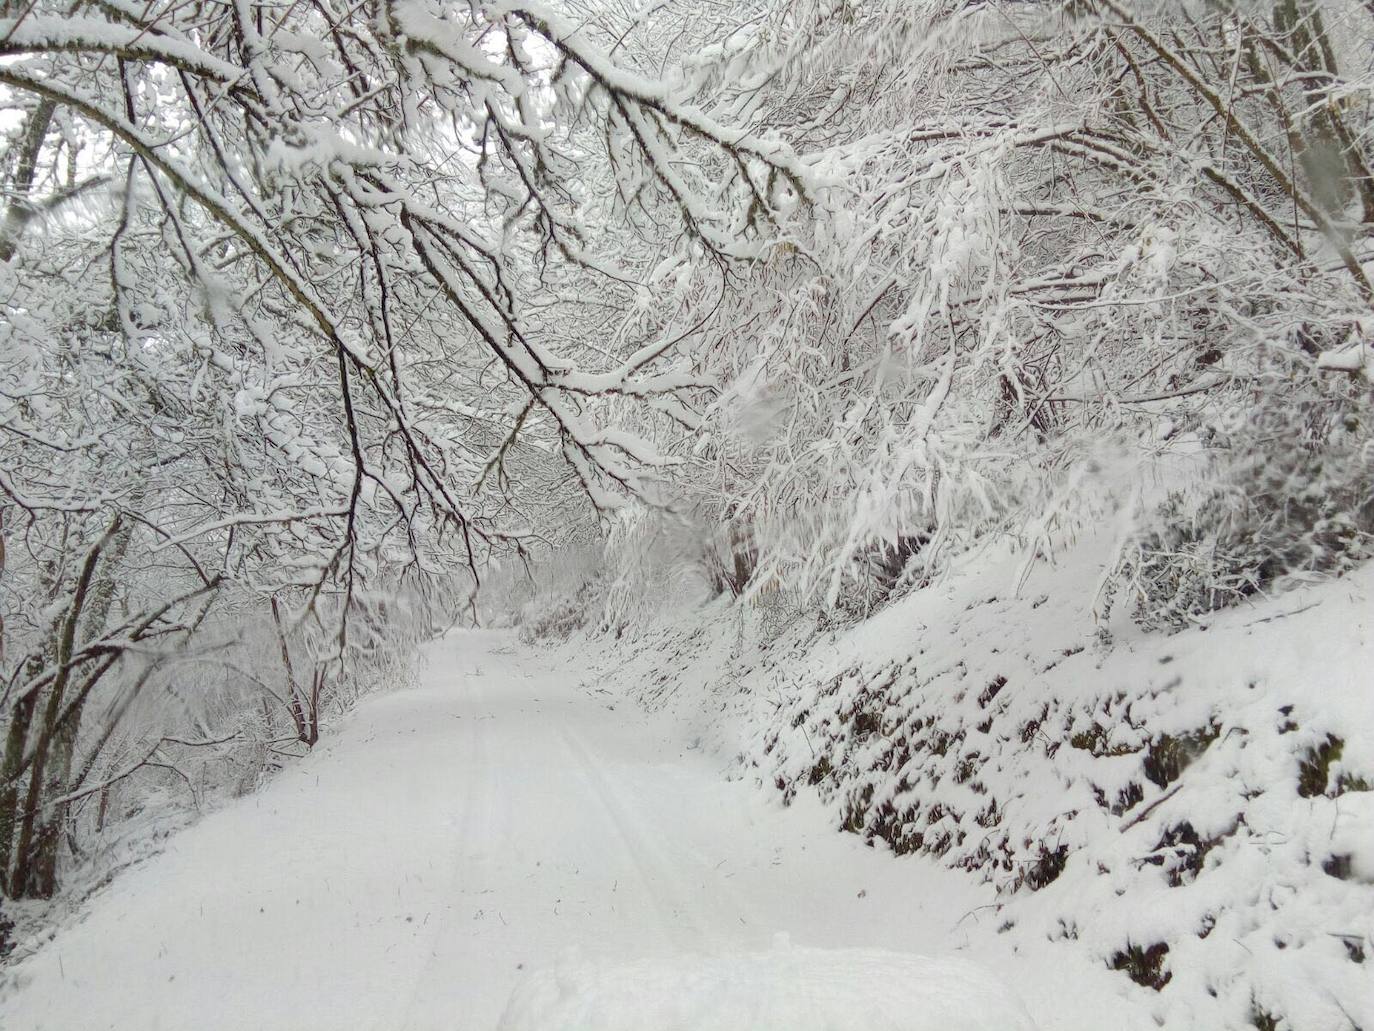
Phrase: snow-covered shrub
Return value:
(554, 597)
(1296, 502)
(648, 562)
(552, 619)
(885, 570)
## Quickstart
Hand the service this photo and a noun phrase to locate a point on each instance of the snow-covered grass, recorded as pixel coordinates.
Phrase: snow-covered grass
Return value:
(1192, 809)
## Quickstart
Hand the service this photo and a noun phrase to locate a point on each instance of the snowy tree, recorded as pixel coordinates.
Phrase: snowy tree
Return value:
(307, 305)
(1028, 228)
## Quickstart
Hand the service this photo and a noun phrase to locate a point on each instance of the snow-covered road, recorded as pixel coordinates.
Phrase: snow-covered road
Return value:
(447, 839)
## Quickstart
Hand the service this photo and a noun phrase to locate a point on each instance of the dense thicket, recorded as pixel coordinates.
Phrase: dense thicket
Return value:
(1040, 245)
(1037, 227)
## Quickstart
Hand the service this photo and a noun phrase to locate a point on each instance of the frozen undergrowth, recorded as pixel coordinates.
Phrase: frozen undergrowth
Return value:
(1193, 809)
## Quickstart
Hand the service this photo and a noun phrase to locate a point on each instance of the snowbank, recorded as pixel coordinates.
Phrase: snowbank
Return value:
(786, 989)
(1193, 810)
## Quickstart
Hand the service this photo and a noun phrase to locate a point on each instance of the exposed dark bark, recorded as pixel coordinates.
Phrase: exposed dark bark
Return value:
(19, 211)
(35, 854)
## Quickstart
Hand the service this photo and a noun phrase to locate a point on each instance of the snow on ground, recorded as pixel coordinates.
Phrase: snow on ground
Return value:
(507, 816)
(1193, 809)
(784, 989)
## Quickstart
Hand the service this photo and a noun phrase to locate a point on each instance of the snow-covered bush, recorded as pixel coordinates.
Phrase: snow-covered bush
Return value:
(548, 597)
(1295, 500)
(551, 619)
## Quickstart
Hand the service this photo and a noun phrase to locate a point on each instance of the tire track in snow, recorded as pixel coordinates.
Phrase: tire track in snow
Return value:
(662, 887)
(732, 904)
(467, 823)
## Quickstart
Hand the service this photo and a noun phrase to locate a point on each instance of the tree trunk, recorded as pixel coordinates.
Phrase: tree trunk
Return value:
(21, 716)
(19, 211)
(35, 857)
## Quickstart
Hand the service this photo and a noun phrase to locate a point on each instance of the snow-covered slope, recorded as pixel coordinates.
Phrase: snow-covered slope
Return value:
(1192, 810)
